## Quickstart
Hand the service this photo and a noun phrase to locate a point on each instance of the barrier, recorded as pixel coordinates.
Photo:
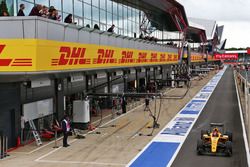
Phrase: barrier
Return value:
(3, 145)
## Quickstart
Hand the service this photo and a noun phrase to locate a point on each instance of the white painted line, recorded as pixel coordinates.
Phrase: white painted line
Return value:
(51, 152)
(39, 148)
(59, 138)
(218, 75)
(79, 162)
(242, 123)
(91, 131)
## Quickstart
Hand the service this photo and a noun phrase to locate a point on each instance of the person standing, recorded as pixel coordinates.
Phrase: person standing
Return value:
(111, 29)
(21, 9)
(36, 10)
(69, 19)
(96, 27)
(65, 129)
(124, 105)
(52, 15)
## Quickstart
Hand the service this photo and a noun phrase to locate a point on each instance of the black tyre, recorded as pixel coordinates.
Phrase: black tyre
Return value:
(199, 148)
(229, 148)
(230, 136)
(203, 132)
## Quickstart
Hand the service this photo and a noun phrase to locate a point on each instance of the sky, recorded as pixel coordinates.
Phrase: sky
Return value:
(233, 14)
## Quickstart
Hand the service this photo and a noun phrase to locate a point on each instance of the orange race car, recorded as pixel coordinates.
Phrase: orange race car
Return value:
(215, 141)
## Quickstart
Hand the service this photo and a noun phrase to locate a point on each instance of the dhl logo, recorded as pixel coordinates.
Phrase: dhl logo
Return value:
(77, 56)
(196, 57)
(14, 62)
(71, 56)
(127, 57)
(105, 56)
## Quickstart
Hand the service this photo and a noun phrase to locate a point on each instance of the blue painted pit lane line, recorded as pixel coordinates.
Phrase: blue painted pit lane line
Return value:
(163, 149)
(190, 112)
(158, 154)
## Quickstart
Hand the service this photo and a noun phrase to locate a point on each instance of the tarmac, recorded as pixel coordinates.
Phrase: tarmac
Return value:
(222, 107)
(117, 141)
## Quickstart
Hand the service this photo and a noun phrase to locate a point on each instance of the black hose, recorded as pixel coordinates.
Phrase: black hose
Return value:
(179, 97)
(157, 119)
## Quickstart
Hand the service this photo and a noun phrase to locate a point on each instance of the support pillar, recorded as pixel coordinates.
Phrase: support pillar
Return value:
(109, 82)
(172, 77)
(59, 99)
(125, 81)
(137, 80)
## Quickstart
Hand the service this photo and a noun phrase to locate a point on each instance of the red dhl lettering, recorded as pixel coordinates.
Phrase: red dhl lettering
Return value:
(102, 53)
(175, 57)
(169, 58)
(162, 57)
(4, 62)
(142, 57)
(71, 56)
(154, 57)
(127, 57)
(105, 56)
(17, 62)
(127, 54)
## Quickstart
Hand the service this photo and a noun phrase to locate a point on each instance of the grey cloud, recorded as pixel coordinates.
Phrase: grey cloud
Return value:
(223, 10)
(234, 14)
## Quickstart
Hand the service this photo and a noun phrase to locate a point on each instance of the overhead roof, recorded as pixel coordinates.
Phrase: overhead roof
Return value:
(209, 25)
(168, 15)
(220, 32)
(196, 33)
(222, 44)
(236, 51)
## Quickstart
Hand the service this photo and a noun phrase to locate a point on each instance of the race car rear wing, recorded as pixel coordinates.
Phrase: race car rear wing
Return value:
(217, 124)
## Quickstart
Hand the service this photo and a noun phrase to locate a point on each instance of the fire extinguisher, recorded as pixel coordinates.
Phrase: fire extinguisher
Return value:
(18, 141)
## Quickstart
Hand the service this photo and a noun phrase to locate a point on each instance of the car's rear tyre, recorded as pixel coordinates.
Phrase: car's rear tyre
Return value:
(202, 133)
(230, 136)
(199, 148)
(229, 148)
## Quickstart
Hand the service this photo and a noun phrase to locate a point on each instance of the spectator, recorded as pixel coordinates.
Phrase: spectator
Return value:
(52, 14)
(96, 27)
(146, 38)
(135, 35)
(151, 38)
(111, 29)
(58, 17)
(88, 26)
(44, 12)
(36, 10)
(4, 13)
(51, 8)
(68, 19)
(20, 12)
(141, 36)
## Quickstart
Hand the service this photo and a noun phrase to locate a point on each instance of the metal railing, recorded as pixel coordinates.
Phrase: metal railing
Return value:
(33, 27)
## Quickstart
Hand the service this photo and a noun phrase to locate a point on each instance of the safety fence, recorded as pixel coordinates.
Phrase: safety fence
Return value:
(242, 78)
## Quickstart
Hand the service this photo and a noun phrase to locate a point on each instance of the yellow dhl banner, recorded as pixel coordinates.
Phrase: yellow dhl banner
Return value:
(33, 55)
